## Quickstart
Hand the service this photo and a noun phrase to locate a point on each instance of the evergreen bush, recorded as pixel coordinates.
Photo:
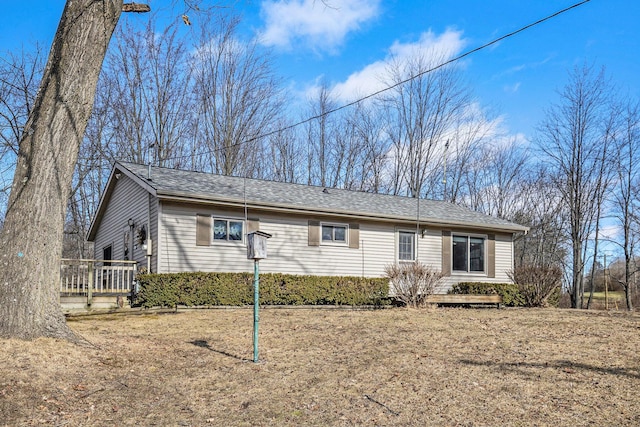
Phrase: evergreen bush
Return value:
(236, 289)
(509, 292)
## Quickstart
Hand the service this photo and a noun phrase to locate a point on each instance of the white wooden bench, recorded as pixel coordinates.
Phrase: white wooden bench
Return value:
(465, 299)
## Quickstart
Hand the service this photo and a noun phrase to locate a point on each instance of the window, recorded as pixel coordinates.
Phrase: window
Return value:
(406, 246)
(227, 230)
(468, 254)
(334, 233)
(106, 255)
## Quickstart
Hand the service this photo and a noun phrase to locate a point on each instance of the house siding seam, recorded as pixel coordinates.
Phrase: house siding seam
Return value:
(153, 231)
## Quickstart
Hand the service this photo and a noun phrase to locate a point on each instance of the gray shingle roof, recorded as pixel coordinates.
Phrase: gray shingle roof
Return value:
(209, 187)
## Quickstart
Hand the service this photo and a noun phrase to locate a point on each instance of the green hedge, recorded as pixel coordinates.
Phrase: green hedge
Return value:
(211, 289)
(510, 295)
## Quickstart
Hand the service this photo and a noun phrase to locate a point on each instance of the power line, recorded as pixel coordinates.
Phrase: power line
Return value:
(373, 94)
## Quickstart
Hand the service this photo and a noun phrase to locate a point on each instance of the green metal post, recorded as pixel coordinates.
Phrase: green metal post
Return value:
(256, 308)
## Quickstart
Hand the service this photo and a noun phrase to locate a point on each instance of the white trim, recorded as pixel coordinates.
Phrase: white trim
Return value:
(397, 244)
(160, 244)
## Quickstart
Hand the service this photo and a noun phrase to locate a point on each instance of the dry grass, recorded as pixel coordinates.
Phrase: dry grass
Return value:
(467, 367)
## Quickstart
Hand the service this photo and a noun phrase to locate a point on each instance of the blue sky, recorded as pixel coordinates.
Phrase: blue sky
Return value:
(347, 43)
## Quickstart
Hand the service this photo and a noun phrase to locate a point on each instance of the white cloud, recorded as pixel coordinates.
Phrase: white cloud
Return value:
(513, 88)
(372, 77)
(323, 25)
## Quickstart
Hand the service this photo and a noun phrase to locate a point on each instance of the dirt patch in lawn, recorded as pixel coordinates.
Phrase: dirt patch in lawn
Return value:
(468, 367)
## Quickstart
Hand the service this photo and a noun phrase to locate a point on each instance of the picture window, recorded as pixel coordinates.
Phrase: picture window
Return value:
(468, 254)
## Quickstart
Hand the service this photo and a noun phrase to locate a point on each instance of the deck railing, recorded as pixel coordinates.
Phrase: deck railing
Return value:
(88, 276)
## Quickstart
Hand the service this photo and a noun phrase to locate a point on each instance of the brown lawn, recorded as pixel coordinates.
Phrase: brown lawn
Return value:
(440, 367)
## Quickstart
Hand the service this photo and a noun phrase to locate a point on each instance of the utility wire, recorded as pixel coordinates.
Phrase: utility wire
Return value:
(371, 95)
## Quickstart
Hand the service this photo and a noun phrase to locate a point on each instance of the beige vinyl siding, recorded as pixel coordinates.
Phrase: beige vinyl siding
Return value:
(430, 251)
(504, 257)
(179, 251)
(290, 251)
(430, 248)
(128, 200)
(288, 248)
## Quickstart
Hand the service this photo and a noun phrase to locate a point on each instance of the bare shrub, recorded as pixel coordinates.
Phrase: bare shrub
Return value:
(412, 283)
(536, 283)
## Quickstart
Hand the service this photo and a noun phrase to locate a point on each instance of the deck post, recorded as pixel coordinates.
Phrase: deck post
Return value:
(90, 283)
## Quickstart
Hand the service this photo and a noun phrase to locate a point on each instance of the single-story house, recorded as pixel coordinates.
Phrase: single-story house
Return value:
(175, 221)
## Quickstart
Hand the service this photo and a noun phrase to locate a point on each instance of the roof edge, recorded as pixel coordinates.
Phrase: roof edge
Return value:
(203, 199)
(108, 191)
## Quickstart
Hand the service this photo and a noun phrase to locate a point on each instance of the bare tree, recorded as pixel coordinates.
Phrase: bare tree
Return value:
(322, 133)
(543, 211)
(368, 123)
(284, 155)
(238, 98)
(422, 111)
(572, 136)
(626, 197)
(605, 174)
(502, 181)
(168, 95)
(32, 234)
(148, 82)
(19, 78)
(141, 113)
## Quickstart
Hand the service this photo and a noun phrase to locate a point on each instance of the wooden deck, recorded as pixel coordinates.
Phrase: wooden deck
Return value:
(465, 299)
(89, 283)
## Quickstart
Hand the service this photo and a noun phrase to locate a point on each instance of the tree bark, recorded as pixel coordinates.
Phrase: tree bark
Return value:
(31, 239)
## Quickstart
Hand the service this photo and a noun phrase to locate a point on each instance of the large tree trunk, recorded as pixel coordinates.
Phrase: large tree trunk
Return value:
(31, 238)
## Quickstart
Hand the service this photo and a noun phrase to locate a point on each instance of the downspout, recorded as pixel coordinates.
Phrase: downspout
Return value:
(418, 229)
(149, 251)
(362, 249)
